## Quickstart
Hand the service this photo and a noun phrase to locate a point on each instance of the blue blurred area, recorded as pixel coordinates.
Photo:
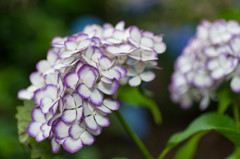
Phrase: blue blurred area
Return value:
(177, 37)
(136, 117)
(79, 24)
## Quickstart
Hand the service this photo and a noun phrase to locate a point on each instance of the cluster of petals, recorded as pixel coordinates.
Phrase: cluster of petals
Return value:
(72, 88)
(210, 58)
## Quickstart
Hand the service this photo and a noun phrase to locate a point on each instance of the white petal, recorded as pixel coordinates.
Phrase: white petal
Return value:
(55, 146)
(72, 145)
(38, 116)
(111, 104)
(77, 99)
(75, 131)
(25, 94)
(105, 62)
(146, 42)
(43, 66)
(61, 130)
(218, 73)
(235, 84)
(96, 97)
(71, 80)
(102, 120)
(51, 91)
(91, 123)
(69, 102)
(135, 81)
(148, 55)
(69, 116)
(135, 35)
(34, 129)
(46, 104)
(70, 45)
(160, 48)
(84, 91)
(147, 76)
(88, 77)
(108, 89)
(86, 138)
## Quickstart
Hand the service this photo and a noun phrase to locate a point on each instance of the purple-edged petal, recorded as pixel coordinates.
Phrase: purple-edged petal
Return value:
(235, 84)
(38, 95)
(96, 97)
(135, 81)
(111, 104)
(37, 115)
(75, 131)
(104, 109)
(69, 116)
(43, 66)
(135, 35)
(34, 128)
(122, 70)
(147, 42)
(72, 145)
(69, 102)
(147, 76)
(46, 104)
(71, 80)
(105, 62)
(91, 123)
(55, 146)
(108, 89)
(84, 91)
(102, 121)
(25, 94)
(87, 138)
(61, 130)
(89, 78)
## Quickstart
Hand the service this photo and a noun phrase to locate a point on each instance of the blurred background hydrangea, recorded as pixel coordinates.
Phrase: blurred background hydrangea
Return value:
(27, 27)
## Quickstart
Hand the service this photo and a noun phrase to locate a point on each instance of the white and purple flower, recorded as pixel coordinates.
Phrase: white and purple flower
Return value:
(210, 58)
(72, 88)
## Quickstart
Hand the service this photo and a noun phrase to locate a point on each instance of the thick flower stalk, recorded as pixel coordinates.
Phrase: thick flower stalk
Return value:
(72, 88)
(210, 59)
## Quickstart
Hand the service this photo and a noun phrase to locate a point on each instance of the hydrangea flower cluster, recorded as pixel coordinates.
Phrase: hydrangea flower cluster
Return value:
(210, 58)
(72, 88)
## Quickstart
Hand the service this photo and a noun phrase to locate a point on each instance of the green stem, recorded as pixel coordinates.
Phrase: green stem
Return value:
(236, 114)
(133, 136)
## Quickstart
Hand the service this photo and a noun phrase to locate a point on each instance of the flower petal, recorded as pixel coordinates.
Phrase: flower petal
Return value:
(135, 81)
(84, 91)
(69, 116)
(147, 76)
(96, 97)
(108, 89)
(72, 145)
(55, 146)
(34, 128)
(61, 129)
(135, 35)
(235, 84)
(111, 104)
(75, 131)
(102, 120)
(86, 138)
(71, 80)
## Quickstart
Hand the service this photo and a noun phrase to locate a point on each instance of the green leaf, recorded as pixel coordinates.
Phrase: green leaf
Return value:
(206, 122)
(224, 99)
(133, 95)
(235, 154)
(23, 119)
(188, 150)
(41, 150)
